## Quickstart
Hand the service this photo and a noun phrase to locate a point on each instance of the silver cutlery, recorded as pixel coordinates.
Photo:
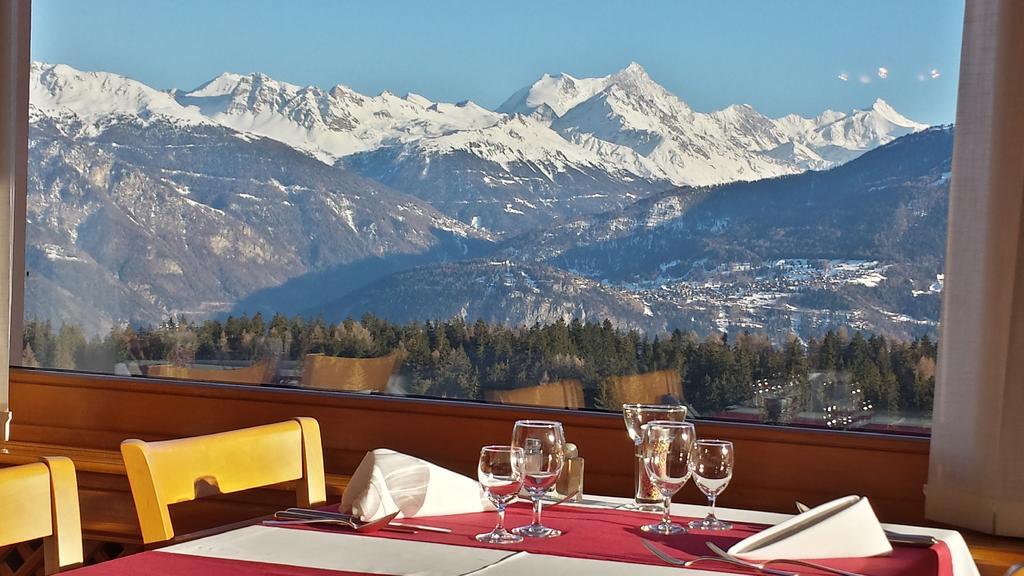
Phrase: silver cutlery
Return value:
(314, 513)
(665, 557)
(307, 513)
(337, 522)
(918, 540)
(763, 565)
(292, 517)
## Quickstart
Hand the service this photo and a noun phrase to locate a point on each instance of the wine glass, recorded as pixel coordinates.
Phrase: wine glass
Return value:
(712, 464)
(646, 496)
(667, 447)
(500, 472)
(543, 446)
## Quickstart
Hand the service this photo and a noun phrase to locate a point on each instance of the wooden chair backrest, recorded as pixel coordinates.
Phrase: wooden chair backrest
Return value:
(349, 374)
(41, 501)
(648, 388)
(558, 394)
(259, 373)
(172, 471)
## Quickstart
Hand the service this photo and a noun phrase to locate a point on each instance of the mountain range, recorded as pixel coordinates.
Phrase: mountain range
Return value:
(559, 148)
(859, 246)
(249, 193)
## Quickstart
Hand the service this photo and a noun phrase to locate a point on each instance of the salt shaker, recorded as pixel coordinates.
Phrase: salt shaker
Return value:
(571, 478)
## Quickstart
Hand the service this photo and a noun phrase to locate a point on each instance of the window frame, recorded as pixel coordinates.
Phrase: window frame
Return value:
(778, 464)
(17, 46)
(15, 64)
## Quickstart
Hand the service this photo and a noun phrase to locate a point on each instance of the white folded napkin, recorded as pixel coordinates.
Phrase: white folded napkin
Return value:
(386, 481)
(843, 528)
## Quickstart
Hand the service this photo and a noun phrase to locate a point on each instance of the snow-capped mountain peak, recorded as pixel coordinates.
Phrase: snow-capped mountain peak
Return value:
(558, 92)
(633, 74)
(222, 85)
(886, 111)
(93, 96)
(839, 138)
(328, 124)
(418, 99)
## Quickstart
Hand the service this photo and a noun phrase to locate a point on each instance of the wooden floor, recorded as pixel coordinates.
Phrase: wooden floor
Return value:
(993, 554)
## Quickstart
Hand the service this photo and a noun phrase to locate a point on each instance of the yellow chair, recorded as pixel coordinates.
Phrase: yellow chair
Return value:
(558, 394)
(649, 388)
(41, 501)
(259, 373)
(349, 374)
(173, 471)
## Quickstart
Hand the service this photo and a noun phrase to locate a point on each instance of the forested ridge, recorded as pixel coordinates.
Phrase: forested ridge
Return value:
(455, 359)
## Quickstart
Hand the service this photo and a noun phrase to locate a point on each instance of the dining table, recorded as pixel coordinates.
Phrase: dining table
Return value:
(599, 537)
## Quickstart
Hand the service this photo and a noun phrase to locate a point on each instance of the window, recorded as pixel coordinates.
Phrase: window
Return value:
(451, 201)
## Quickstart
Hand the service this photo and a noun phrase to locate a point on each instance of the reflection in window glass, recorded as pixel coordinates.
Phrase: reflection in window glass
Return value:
(725, 205)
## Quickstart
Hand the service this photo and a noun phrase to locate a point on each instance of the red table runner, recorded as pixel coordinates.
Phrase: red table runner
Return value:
(158, 563)
(594, 533)
(603, 534)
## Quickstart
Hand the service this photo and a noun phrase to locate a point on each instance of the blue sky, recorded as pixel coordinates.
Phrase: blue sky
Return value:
(780, 56)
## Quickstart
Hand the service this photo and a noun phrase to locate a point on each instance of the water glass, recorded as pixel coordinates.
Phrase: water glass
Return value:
(712, 470)
(500, 472)
(646, 496)
(667, 447)
(543, 446)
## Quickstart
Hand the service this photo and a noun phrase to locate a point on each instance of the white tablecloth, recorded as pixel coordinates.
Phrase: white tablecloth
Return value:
(339, 551)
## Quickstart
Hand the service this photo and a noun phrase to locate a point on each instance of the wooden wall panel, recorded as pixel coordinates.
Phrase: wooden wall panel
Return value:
(775, 466)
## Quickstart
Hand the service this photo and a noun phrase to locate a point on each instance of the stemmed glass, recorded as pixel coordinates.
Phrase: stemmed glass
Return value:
(646, 497)
(667, 447)
(712, 470)
(543, 446)
(500, 472)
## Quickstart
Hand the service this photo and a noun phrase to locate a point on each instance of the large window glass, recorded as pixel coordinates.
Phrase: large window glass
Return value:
(736, 205)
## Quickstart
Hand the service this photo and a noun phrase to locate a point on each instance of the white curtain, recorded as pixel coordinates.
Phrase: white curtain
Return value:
(976, 469)
(14, 47)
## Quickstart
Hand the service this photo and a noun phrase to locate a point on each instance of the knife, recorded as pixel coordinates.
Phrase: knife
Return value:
(918, 540)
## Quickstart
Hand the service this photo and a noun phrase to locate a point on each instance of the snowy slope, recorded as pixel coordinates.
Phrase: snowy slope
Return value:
(522, 139)
(514, 175)
(328, 124)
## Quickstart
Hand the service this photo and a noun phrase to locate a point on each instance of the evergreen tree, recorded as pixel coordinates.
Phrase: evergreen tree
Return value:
(68, 342)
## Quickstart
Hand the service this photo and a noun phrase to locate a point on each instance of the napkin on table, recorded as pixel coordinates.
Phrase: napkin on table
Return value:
(843, 528)
(386, 481)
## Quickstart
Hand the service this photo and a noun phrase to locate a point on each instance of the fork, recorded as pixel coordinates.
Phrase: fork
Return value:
(822, 567)
(294, 518)
(337, 522)
(687, 563)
